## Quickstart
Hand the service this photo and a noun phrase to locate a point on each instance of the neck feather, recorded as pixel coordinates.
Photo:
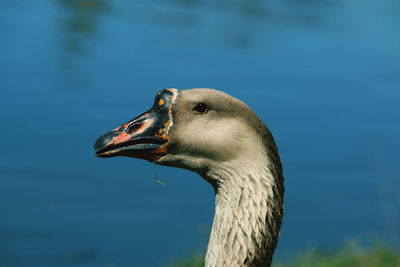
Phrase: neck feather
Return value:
(248, 214)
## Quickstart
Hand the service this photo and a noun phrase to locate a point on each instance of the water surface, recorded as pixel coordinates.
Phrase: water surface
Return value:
(324, 76)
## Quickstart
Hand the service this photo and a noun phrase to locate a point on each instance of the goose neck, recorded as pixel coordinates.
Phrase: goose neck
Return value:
(243, 230)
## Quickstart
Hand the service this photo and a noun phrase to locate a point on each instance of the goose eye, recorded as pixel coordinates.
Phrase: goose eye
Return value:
(201, 107)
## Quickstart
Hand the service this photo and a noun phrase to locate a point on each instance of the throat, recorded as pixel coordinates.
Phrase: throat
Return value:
(248, 215)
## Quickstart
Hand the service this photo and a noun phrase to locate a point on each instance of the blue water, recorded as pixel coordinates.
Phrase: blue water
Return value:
(323, 75)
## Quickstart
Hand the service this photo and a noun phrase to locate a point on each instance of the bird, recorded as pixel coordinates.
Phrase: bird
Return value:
(222, 139)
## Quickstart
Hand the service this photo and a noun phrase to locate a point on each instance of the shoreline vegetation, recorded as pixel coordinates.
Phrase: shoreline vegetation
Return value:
(350, 255)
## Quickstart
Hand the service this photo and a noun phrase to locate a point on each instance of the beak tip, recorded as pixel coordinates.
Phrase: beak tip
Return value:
(103, 140)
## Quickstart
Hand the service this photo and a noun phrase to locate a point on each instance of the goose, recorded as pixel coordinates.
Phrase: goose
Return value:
(220, 138)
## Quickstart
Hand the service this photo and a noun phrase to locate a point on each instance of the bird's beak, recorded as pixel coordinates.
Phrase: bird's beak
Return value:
(145, 137)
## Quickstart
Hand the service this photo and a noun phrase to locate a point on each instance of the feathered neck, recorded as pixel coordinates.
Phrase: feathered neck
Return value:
(248, 213)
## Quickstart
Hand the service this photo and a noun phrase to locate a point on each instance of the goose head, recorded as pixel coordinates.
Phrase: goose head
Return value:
(195, 129)
(223, 140)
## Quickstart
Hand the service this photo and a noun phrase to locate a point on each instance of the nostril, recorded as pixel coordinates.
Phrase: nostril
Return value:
(133, 127)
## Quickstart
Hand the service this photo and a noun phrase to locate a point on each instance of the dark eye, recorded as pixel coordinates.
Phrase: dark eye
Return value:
(201, 108)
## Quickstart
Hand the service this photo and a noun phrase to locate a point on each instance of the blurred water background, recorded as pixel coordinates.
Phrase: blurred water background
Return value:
(323, 75)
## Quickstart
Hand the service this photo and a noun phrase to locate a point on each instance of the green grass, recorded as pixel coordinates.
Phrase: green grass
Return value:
(351, 255)
(195, 260)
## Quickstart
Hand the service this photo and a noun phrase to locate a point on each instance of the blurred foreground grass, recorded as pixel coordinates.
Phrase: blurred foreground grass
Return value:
(351, 255)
